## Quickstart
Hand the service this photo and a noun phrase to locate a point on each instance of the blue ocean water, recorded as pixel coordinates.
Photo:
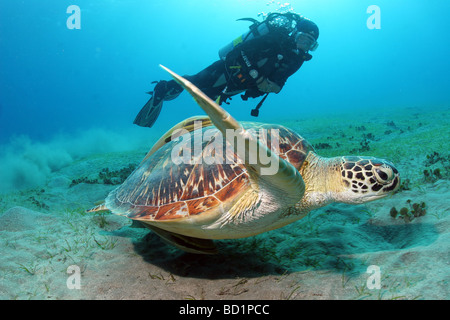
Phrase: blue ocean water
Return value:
(55, 80)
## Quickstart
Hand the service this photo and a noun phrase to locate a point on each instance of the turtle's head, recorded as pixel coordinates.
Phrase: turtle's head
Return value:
(366, 179)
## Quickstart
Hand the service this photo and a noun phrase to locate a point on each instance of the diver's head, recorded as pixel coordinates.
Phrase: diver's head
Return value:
(307, 35)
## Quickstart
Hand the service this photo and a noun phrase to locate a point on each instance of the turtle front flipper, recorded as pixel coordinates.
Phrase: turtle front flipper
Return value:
(185, 243)
(188, 125)
(260, 161)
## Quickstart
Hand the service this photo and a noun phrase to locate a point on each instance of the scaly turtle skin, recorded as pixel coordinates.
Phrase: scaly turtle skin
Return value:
(190, 202)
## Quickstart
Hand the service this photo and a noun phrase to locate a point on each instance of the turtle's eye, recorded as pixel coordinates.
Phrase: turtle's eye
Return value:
(383, 174)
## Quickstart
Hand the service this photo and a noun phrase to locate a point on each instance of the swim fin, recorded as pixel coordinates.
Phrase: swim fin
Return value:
(149, 113)
(164, 91)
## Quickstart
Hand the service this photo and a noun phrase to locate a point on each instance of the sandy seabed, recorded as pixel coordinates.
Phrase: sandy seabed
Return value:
(45, 233)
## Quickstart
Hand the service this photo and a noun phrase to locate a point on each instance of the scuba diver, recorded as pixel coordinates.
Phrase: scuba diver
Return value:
(257, 63)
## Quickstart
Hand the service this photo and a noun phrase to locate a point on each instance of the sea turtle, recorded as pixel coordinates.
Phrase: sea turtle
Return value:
(188, 203)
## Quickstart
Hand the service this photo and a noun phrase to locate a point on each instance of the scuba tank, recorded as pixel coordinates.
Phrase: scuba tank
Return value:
(256, 29)
(276, 23)
(283, 21)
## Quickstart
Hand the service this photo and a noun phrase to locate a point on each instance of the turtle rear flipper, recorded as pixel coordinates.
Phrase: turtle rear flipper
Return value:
(100, 207)
(185, 243)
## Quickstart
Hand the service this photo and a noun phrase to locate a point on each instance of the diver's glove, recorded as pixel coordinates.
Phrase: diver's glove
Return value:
(252, 93)
(267, 86)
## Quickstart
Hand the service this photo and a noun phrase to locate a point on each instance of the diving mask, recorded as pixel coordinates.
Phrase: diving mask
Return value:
(306, 42)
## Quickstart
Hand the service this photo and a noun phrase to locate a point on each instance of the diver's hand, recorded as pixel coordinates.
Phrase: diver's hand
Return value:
(268, 86)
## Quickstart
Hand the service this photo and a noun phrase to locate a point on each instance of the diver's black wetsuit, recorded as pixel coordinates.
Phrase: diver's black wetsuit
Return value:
(274, 56)
(258, 63)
